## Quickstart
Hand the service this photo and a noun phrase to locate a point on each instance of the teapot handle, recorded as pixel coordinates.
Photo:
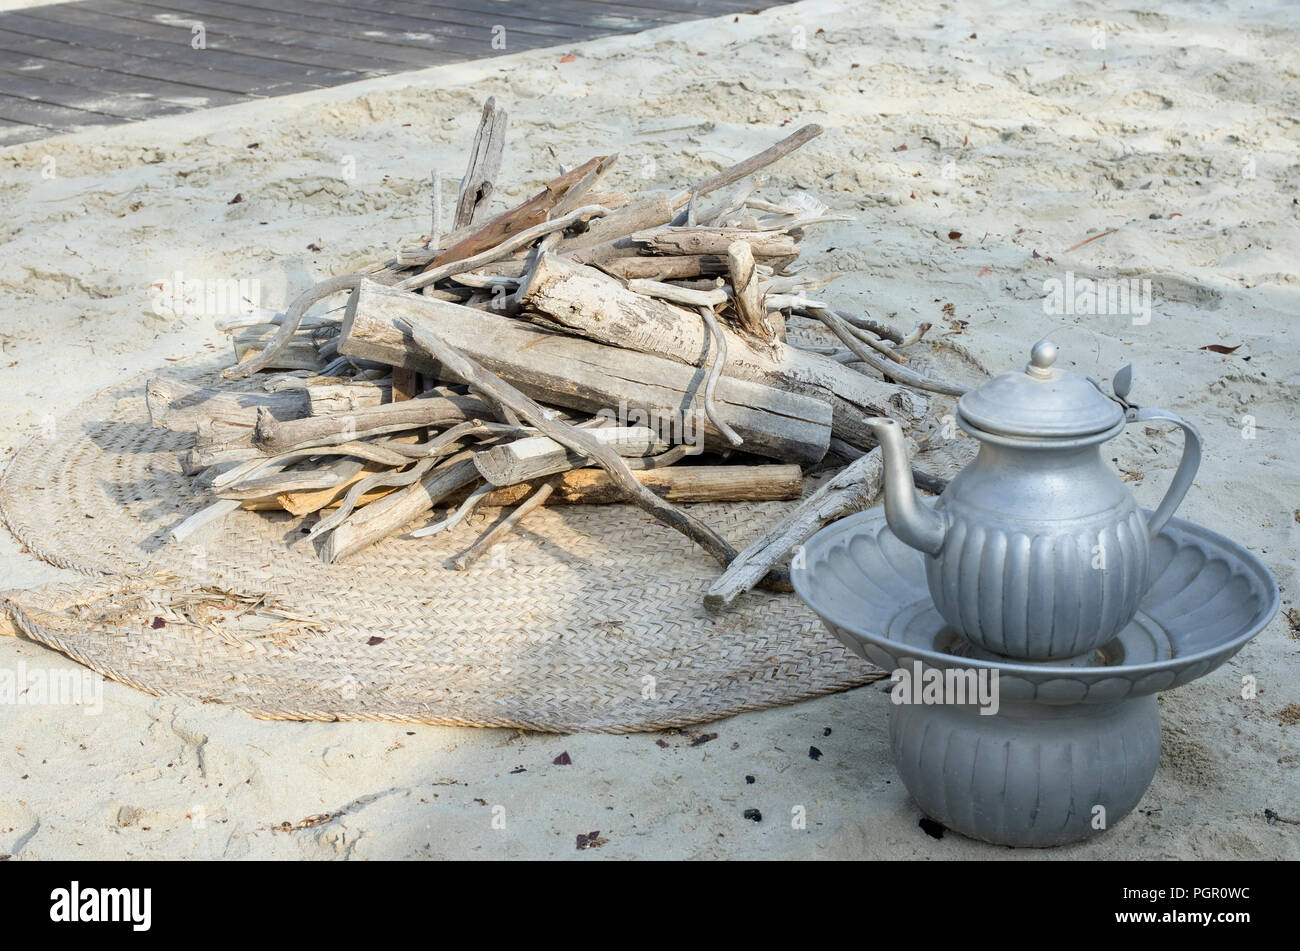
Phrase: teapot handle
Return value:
(1186, 472)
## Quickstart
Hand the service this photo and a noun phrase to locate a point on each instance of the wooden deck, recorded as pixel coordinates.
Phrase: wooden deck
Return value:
(101, 62)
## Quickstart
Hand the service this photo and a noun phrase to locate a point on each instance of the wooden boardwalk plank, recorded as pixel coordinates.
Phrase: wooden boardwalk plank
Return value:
(299, 40)
(283, 45)
(89, 62)
(13, 62)
(331, 18)
(175, 51)
(122, 107)
(199, 74)
(90, 72)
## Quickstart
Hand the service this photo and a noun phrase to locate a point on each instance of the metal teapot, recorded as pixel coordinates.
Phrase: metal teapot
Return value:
(1036, 550)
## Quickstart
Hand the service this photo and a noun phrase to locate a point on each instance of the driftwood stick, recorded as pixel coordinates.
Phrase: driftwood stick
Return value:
(593, 486)
(685, 483)
(919, 331)
(504, 527)
(380, 519)
(484, 164)
(607, 238)
(752, 164)
(578, 440)
(275, 436)
(389, 479)
(896, 371)
(504, 249)
(522, 217)
(850, 490)
(767, 244)
(882, 330)
(711, 382)
(463, 511)
(687, 296)
(289, 326)
(663, 267)
(204, 516)
(921, 479)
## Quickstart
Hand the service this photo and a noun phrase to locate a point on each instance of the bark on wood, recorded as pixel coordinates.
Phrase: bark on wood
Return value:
(484, 164)
(526, 215)
(581, 375)
(763, 483)
(537, 456)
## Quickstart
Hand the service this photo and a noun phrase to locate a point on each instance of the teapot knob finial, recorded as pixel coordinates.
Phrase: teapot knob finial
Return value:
(1041, 358)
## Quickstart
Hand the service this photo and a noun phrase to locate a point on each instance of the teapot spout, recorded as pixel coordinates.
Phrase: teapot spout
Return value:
(915, 525)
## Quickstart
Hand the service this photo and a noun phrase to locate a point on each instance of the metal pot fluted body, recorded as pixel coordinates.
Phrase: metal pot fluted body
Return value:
(1045, 556)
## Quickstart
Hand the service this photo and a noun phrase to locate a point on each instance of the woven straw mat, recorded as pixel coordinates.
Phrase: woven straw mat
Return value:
(587, 618)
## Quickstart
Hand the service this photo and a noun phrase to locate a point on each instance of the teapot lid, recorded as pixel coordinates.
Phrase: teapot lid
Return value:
(1039, 401)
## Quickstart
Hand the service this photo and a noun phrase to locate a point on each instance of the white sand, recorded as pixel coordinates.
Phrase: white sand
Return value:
(1192, 115)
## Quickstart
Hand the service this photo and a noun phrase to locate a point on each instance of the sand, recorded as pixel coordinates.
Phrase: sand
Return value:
(1170, 137)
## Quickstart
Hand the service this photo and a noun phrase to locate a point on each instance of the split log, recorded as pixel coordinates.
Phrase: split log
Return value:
(581, 375)
(537, 456)
(582, 300)
(484, 164)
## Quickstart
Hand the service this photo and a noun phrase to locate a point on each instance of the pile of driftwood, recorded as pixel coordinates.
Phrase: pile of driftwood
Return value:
(580, 347)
